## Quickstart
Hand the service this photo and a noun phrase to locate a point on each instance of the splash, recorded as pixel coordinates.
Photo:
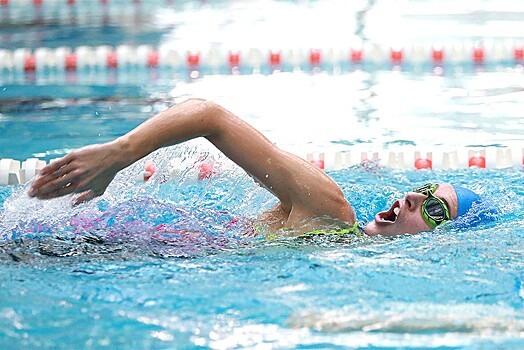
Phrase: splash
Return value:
(176, 208)
(179, 209)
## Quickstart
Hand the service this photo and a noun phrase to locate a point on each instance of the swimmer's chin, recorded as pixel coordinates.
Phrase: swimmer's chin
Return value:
(369, 229)
(372, 229)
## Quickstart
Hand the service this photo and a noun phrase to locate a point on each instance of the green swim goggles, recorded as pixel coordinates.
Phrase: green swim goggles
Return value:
(434, 210)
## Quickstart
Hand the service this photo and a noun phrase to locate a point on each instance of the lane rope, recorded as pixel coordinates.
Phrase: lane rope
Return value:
(503, 52)
(14, 172)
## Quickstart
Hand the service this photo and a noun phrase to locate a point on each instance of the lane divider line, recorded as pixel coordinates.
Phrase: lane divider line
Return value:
(14, 172)
(504, 52)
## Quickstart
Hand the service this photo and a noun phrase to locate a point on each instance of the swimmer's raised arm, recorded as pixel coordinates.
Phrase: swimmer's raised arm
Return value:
(302, 189)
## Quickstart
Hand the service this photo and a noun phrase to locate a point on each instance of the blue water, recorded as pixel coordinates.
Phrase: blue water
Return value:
(173, 263)
(121, 281)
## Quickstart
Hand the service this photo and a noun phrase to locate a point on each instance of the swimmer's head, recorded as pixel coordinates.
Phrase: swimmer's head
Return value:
(427, 207)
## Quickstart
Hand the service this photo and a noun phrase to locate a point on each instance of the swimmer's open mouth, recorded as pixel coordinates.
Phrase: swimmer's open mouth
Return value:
(389, 216)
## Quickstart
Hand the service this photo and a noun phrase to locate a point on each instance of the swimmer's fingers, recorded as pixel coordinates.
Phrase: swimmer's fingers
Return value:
(39, 182)
(67, 189)
(80, 171)
(53, 186)
(85, 197)
(57, 164)
(48, 175)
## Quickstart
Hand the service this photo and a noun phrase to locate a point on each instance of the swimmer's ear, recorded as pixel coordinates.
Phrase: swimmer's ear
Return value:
(84, 197)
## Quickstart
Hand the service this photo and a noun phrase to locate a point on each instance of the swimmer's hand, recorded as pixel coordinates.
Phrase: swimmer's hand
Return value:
(88, 171)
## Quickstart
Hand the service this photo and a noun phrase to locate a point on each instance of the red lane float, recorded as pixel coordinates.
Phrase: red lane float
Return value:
(112, 60)
(206, 170)
(477, 159)
(437, 55)
(152, 59)
(234, 59)
(193, 59)
(519, 54)
(30, 63)
(478, 55)
(150, 169)
(274, 58)
(315, 57)
(355, 55)
(396, 56)
(423, 164)
(70, 62)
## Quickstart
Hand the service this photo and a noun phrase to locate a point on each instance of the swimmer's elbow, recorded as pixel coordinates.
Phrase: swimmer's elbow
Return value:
(211, 112)
(217, 119)
(202, 106)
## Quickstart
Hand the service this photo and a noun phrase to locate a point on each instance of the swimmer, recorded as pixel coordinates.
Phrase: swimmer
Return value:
(309, 199)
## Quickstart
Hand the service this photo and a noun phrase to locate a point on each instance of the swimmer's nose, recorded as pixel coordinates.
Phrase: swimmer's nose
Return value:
(414, 200)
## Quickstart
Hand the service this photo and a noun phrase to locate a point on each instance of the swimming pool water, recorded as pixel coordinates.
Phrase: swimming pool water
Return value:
(171, 264)
(119, 283)
(298, 111)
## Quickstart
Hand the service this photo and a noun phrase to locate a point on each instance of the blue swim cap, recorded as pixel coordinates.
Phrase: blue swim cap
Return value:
(481, 210)
(466, 198)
